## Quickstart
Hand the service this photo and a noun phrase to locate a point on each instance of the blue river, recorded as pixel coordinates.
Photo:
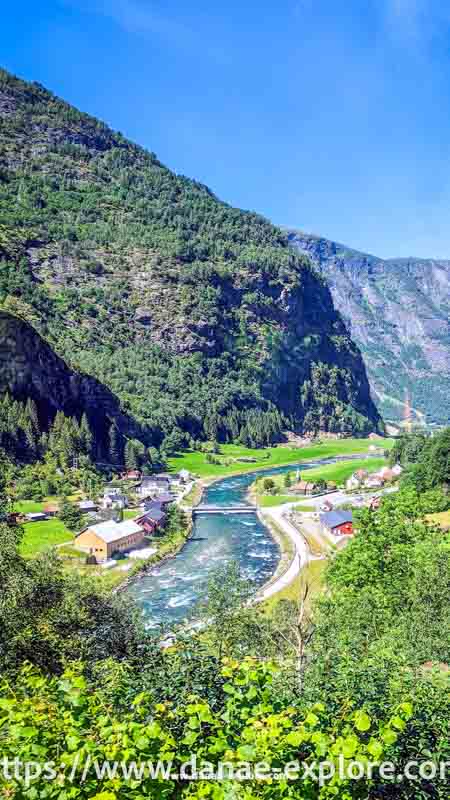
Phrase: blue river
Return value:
(169, 593)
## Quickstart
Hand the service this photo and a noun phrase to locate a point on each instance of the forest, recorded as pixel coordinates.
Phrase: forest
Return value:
(197, 315)
(358, 673)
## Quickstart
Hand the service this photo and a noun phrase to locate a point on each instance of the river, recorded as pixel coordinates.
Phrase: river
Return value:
(170, 592)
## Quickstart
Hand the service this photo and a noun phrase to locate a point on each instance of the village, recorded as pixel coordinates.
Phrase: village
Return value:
(319, 510)
(132, 511)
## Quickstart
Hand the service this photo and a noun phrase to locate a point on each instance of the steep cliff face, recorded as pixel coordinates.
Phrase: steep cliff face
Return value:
(398, 312)
(187, 308)
(30, 369)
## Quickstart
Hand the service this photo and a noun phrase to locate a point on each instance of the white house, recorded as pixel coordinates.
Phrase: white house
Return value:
(154, 485)
(114, 501)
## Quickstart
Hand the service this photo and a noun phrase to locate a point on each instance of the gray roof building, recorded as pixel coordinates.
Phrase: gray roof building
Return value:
(331, 519)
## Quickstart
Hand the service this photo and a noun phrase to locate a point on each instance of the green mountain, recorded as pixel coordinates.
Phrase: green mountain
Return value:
(398, 312)
(31, 371)
(199, 316)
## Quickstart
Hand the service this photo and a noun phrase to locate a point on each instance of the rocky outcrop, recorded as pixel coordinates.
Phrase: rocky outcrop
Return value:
(29, 368)
(398, 312)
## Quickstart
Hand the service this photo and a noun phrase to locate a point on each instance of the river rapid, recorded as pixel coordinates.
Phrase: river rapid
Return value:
(170, 592)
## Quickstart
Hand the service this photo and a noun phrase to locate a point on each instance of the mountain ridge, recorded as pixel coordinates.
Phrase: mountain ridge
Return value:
(398, 312)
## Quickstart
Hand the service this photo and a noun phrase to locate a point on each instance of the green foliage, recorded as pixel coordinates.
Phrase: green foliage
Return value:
(248, 727)
(384, 621)
(427, 459)
(49, 615)
(70, 514)
(198, 315)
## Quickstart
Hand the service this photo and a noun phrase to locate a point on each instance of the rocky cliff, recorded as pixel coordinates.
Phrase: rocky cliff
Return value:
(398, 312)
(30, 369)
(197, 314)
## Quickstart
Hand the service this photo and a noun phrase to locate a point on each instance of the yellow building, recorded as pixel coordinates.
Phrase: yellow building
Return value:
(107, 538)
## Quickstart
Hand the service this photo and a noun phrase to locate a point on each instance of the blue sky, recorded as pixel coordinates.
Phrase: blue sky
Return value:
(329, 116)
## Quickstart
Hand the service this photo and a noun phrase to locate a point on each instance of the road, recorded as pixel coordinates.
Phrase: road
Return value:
(302, 553)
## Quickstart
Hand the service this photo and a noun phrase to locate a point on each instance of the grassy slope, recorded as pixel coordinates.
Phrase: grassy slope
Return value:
(196, 463)
(313, 574)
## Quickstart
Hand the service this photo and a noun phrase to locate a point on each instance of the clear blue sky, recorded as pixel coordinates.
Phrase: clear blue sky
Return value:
(329, 116)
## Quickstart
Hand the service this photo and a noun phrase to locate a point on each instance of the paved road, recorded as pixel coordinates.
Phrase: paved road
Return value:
(302, 553)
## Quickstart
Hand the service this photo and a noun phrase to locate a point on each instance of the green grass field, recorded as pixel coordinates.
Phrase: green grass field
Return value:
(196, 463)
(38, 536)
(338, 473)
(270, 501)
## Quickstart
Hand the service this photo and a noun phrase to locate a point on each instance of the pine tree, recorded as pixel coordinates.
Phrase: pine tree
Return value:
(131, 455)
(86, 437)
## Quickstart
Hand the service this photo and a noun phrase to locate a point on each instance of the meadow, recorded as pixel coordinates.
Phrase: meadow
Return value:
(231, 456)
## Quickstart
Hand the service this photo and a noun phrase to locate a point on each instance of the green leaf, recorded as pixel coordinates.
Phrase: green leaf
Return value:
(399, 723)
(296, 738)
(246, 752)
(389, 736)
(72, 742)
(142, 742)
(362, 721)
(375, 749)
(349, 746)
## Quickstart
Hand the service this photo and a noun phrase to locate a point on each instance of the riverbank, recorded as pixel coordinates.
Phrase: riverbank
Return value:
(333, 472)
(169, 594)
(167, 551)
(300, 554)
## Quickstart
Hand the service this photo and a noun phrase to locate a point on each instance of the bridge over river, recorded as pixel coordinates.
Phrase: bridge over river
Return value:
(226, 528)
(205, 508)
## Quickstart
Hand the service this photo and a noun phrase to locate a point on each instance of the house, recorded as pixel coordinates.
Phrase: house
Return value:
(338, 523)
(397, 470)
(107, 538)
(131, 475)
(357, 479)
(388, 474)
(165, 499)
(152, 519)
(51, 509)
(87, 506)
(184, 475)
(352, 483)
(114, 501)
(361, 475)
(154, 485)
(304, 487)
(36, 516)
(112, 491)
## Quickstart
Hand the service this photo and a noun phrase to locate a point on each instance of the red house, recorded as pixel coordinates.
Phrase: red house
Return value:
(339, 523)
(151, 520)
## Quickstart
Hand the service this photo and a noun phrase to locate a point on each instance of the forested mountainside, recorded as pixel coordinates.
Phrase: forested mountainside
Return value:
(36, 384)
(398, 312)
(196, 314)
